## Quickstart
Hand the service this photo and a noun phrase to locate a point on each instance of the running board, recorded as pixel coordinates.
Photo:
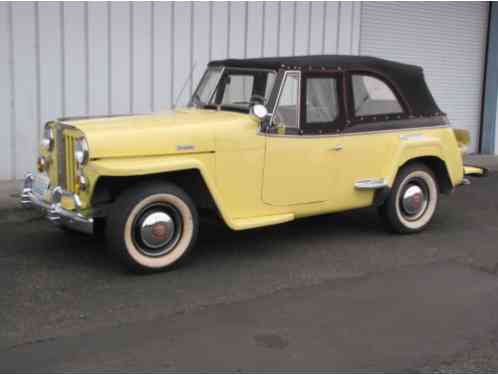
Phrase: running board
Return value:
(262, 221)
(371, 184)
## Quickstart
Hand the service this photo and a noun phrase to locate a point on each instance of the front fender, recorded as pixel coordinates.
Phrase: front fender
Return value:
(145, 165)
(142, 166)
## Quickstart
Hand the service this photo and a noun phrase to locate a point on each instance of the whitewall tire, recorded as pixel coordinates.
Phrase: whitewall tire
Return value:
(152, 227)
(413, 200)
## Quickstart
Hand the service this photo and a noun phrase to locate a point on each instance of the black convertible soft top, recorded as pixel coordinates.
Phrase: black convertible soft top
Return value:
(407, 79)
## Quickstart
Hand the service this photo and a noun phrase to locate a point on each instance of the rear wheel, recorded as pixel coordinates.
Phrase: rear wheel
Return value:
(152, 227)
(413, 200)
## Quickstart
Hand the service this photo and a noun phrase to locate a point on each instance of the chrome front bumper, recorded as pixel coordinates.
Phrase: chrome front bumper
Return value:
(55, 212)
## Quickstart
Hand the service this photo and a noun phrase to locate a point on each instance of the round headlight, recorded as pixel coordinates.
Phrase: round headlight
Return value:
(48, 138)
(81, 151)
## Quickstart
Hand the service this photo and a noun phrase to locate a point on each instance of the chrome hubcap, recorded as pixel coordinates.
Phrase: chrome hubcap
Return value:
(157, 229)
(414, 201)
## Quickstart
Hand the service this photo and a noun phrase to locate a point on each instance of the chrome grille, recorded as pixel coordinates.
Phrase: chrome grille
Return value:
(66, 164)
(70, 165)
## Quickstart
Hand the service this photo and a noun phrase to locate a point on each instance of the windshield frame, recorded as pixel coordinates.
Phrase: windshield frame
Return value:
(212, 105)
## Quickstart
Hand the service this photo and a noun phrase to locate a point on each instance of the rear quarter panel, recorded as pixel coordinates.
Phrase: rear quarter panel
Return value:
(436, 142)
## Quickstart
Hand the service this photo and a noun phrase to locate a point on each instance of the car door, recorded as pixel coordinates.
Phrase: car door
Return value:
(307, 111)
(366, 147)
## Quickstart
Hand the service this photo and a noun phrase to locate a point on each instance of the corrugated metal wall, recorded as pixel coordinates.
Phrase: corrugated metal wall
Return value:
(74, 58)
(448, 39)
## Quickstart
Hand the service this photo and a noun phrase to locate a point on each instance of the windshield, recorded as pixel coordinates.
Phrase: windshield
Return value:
(233, 88)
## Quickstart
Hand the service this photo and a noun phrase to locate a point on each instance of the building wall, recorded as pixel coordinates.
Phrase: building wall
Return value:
(68, 59)
(447, 39)
(75, 58)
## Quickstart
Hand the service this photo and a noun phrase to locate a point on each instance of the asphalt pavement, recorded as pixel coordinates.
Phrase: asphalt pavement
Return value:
(334, 292)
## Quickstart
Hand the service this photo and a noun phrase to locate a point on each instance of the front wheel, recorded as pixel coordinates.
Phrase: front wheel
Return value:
(413, 199)
(152, 227)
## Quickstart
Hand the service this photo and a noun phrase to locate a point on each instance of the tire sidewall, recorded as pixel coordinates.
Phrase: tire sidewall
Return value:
(179, 249)
(122, 218)
(429, 211)
(390, 210)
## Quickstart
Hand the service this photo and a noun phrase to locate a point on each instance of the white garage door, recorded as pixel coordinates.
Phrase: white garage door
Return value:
(447, 39)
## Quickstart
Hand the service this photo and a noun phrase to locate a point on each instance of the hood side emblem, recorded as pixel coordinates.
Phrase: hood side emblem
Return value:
(185, 147)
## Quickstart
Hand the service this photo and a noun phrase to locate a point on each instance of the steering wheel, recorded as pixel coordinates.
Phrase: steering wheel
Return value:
(257, 98)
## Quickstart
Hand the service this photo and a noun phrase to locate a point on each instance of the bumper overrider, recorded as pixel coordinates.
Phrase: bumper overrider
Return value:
(54, 210)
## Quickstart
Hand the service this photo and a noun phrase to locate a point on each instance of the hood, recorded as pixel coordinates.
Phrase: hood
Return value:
(180, 131)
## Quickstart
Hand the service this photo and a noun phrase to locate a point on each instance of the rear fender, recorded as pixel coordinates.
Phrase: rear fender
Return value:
(412, 147)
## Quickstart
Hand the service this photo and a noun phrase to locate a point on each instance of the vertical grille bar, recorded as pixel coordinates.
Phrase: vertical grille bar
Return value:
(61, 158)
(66, 164)
(70, 164)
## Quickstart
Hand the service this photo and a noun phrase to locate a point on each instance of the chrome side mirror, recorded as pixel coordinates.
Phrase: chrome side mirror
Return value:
(260, 111)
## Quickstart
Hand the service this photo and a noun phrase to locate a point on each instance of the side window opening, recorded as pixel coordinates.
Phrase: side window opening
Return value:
(286, 113)
(321, 100)
(373, 97)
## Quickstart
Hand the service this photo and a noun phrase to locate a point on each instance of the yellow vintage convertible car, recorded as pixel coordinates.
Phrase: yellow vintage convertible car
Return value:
(262, 142)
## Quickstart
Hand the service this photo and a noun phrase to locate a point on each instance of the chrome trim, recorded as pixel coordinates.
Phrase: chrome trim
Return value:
(157, 229)
(348, 134)
(60, 149)
(55, 212)
(81, 148)
(414, 137)
(336, 148)
(277, 101)
(48, 139)
(371, 184)
(414, 201)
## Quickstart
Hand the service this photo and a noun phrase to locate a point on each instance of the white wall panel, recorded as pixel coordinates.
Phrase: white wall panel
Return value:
(75, 63)
(120, 42)
(331, 28)
(162, 44)
(68, 59)
(317, 22)
(6, 96)
(141, 58)
(237, 30)
(98, 58)
(201, 39)
(302, 28)
(182, 57)
(254, 35)
(287, 26)
(50, 61)
(219, 36)
(25, 81)
(345, 28)
(271, 26)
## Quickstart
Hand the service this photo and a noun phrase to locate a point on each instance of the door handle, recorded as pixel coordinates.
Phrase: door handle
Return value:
(337, 148)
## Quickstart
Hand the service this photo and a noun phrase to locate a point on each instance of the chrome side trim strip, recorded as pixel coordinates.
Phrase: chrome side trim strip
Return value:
(348, 134)
(371, 184)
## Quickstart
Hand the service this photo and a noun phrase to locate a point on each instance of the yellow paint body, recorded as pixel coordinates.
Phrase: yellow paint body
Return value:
(257, 179)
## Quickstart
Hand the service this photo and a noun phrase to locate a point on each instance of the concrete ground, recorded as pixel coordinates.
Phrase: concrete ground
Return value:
(328, 293)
